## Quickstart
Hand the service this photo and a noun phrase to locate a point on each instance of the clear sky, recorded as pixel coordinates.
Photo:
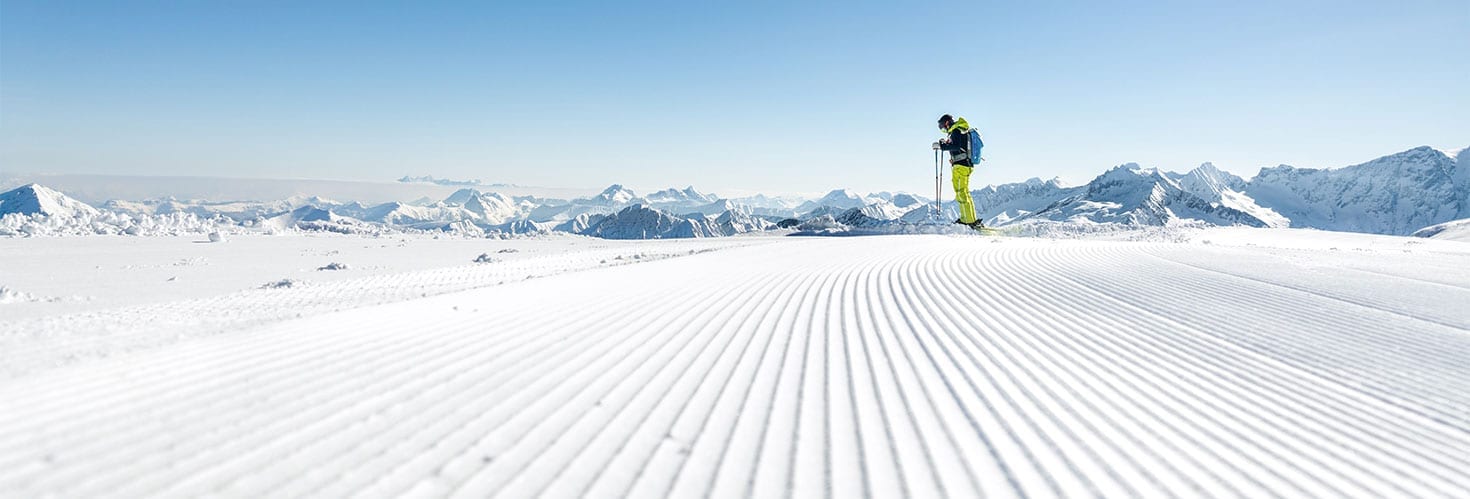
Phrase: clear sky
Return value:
(731, 97)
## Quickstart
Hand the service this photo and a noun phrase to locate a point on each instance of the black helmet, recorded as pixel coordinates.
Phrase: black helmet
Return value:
(945, 121)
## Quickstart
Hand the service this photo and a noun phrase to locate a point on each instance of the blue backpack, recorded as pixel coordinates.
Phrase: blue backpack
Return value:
(975, 145)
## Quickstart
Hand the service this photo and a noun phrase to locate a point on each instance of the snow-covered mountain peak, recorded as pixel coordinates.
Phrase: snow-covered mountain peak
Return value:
(493, 208)
(462, 196)
(615, 194)
(840, 195)
(33, 199)
(837, 200)
(1038, 182)
(1129, 172)
(617, 190)
(1126, 178)
(883, 210)
(1209, 182)
(686, 195)
(906, 200)
(1207, 169)
(1424, 156)
(764, 201)
(693, 193)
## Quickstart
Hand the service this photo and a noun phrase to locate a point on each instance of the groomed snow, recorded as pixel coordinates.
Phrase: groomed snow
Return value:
(1220, 362)
(100, 272)
(100, 296)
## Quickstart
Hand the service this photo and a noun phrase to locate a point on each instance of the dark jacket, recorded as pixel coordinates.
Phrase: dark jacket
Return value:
(958, 143)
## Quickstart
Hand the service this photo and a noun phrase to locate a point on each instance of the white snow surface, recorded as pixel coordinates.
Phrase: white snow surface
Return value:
(1184, 362)
(1455, 230)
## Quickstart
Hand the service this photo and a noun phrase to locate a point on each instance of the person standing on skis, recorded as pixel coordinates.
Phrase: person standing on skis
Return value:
(957, 144)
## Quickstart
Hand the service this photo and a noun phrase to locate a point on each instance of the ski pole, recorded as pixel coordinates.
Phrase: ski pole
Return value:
(938, 201)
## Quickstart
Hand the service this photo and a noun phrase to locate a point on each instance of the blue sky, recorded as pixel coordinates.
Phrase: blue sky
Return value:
(731, 97)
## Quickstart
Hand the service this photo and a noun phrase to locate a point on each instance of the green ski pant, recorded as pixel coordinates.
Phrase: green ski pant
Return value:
(961, 178)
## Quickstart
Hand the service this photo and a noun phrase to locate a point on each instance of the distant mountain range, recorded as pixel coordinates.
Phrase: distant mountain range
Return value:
(1396, 194)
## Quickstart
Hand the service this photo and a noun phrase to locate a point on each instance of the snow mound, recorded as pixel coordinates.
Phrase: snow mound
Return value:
(334, 266)
(107, 223)
(8, 295)
(1456, 230)
(35, 199)
(282, 284)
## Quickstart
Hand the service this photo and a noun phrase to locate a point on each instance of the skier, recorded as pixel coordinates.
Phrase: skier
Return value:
(957, 144)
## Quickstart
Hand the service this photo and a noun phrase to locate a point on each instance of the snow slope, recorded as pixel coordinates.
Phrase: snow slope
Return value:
(924, 366)
(35, 199)
(1455, 230)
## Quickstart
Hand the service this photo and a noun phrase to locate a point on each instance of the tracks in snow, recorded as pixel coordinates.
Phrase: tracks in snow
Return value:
(856, 367)
(37, 344)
